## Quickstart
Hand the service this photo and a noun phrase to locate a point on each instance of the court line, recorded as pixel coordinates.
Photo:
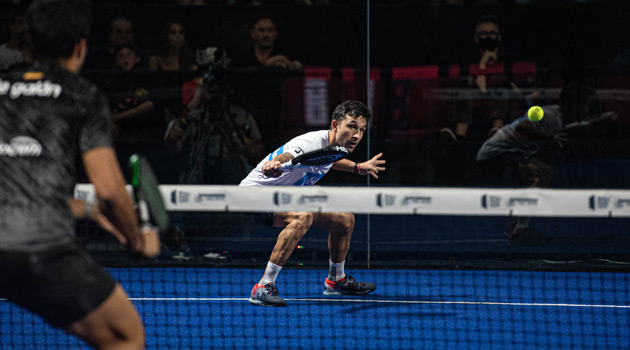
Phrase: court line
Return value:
(435, 302)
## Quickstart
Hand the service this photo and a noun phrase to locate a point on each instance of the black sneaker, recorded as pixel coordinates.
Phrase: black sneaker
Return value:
(347, 286)
(266, 295)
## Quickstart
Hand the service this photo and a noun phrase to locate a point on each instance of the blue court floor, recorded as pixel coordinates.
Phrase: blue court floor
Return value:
(207, 308)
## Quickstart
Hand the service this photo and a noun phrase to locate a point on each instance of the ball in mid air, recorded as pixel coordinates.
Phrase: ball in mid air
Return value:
(535, 113)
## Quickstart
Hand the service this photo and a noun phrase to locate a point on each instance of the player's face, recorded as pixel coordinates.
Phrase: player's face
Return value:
(349, 132)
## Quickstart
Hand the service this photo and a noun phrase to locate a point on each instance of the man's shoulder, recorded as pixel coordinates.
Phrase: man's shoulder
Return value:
(312, 136)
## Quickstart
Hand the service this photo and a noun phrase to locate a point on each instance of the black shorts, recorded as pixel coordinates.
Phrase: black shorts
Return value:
(61, 285)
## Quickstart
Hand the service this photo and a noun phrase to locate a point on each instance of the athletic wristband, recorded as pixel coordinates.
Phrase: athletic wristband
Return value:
(356, 168)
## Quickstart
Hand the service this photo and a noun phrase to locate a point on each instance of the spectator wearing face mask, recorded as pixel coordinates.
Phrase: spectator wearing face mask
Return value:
(482, 113)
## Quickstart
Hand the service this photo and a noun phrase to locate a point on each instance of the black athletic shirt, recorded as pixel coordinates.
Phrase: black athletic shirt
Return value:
(48, 118)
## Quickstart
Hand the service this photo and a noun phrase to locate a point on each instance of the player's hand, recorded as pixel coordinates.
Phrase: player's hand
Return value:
(271, 167)
(372, 166)
(103, 222)
(150, 246)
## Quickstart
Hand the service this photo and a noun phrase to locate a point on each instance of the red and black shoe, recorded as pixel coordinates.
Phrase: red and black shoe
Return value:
(266, 295)
(347, 286)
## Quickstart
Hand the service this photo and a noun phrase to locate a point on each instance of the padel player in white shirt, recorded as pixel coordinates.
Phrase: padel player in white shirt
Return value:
(348, 125)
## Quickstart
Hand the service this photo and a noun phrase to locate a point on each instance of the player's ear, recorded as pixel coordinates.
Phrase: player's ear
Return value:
(80, 49)
(334, 124)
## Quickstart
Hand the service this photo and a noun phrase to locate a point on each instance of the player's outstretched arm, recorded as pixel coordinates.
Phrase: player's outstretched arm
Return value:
(272, 167)
(103, 171)
(370, 167)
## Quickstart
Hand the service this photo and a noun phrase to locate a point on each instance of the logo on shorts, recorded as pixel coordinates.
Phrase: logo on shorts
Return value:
(21, 146)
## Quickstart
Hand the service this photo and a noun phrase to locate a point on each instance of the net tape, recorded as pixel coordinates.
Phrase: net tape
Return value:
(391, 200)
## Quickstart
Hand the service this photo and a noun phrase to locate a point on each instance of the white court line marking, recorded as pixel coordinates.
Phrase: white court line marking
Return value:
(399, 302)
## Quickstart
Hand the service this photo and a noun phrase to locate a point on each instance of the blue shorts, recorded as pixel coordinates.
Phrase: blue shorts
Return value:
(61, 285)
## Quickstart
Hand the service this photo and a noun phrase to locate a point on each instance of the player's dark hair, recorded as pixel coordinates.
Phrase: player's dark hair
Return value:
(57, 25)
(351, 108)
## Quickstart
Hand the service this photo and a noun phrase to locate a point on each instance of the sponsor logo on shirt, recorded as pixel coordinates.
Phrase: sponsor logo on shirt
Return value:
(36, 88)
(21, 146)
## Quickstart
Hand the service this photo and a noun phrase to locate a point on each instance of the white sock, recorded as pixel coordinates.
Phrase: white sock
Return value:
(271, 273)
(335, 270)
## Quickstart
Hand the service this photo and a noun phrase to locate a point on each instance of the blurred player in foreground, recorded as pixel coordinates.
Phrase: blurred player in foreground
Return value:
(49, 117)
(346, 129)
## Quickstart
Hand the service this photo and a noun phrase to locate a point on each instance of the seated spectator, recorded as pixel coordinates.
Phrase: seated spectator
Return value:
(134, 113)
(18, 51)
(483, 110)
(175, 62)
(263, 93)
(174, 54)
(102, 57)
(264, 51)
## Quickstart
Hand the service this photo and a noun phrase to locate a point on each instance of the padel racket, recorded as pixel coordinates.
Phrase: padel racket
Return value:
(611, 115)
(151, 206)
(321, 156)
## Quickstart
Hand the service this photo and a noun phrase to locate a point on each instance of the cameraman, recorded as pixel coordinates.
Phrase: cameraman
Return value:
(234, 142)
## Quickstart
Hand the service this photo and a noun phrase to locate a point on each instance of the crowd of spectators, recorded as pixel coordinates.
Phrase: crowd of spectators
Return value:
(157, 88)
